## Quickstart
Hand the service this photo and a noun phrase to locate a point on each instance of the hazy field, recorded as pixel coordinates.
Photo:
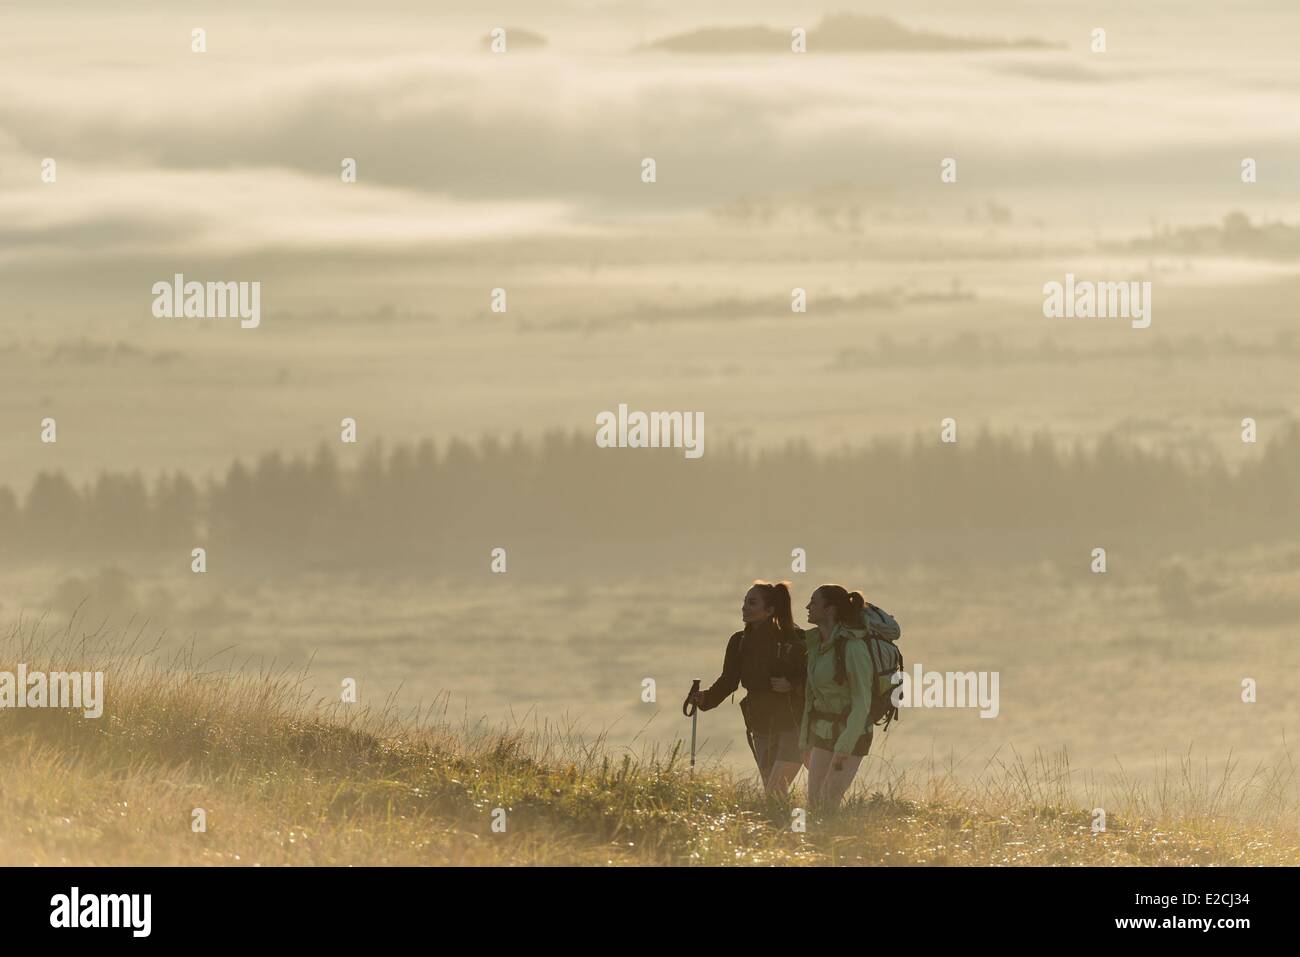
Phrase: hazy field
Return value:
(888, 347)
(1128, 671)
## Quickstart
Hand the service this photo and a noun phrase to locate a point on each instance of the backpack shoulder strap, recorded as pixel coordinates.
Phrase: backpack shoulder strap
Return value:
(841, 667)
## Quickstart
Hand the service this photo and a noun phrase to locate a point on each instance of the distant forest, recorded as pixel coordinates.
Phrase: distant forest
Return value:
(560, 503)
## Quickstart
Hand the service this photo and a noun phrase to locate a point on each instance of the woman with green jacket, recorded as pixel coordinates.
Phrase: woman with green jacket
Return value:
(837, 703)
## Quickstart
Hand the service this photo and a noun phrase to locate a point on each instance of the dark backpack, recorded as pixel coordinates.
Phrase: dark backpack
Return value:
(883, 631)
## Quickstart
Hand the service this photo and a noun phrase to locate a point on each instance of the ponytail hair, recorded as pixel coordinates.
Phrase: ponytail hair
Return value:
(776, 595)
(848, 605)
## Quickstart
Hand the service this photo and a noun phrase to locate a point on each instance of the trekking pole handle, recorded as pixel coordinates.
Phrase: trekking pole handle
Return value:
(689, 707)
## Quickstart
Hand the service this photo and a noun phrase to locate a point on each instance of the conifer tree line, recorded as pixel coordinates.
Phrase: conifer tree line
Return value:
(561, 499)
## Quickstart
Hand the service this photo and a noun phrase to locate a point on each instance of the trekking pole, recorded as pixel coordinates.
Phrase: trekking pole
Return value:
(692, 711)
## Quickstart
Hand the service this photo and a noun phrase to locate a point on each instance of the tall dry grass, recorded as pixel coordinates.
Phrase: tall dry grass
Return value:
(285, 778)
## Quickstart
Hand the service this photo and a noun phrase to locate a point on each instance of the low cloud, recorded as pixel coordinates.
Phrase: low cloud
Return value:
(837, 33)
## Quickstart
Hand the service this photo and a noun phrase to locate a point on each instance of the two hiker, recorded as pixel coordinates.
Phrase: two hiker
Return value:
(813, 695)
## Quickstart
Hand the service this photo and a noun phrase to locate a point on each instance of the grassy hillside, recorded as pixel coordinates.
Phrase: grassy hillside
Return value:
(283, 779)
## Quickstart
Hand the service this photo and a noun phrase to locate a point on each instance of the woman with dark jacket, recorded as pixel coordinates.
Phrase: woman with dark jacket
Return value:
(768, 659)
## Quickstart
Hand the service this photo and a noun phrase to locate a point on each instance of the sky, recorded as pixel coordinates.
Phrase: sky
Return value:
(159, 148)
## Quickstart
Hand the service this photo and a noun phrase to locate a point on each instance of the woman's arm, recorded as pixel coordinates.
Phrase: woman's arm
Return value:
(728, 681)
(857, 662)
(806, 723)
(799, 664)
(805, 738)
